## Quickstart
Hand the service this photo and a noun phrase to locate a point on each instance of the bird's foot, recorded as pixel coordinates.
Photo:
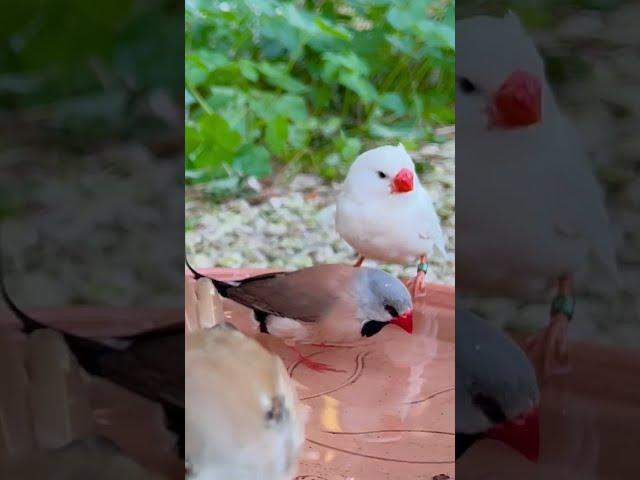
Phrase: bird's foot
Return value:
(418, 285)
(549, 349)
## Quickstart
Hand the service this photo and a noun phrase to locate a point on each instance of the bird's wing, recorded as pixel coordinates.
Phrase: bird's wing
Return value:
(584, 214)
(305, 295)
(430, 223)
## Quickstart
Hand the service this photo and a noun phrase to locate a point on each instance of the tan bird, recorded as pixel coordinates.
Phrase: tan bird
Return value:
(323, 304)
(243, 420)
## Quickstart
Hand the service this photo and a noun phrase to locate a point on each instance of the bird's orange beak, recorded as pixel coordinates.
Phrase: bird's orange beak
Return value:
(521, 434)
(518, 102)
(404, 321)
(402, 182)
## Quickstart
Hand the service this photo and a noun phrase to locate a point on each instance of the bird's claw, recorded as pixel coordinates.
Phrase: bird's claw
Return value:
(418, 285)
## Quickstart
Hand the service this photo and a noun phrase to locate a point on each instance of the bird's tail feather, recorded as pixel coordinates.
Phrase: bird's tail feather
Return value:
(221, 286)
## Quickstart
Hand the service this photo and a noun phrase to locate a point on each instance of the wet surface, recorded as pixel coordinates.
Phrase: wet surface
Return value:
(390, 414)
(582, 417)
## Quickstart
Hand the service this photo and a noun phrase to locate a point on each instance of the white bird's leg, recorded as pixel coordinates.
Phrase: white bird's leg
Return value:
(312, 364)
(549, 348)
(418, 285)
(359, 261)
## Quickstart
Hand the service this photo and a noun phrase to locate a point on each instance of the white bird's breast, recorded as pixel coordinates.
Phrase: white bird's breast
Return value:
(396, 229)
(508, 211)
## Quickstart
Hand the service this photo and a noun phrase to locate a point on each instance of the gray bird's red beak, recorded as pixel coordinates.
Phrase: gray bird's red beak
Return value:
(402, 182)
(521, 434)
(404, 321)
(518, 102)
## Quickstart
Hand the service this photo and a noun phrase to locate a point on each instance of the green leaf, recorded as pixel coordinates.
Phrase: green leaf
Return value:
(277, 76)
(191, 139)
(443, 34)
(292, 106)
(335, 31)
(216, 131)
(252, 160)
(360, 85)
(248, 70)
(350, 148)
(392, 101)
(400, 19)
(276, 134)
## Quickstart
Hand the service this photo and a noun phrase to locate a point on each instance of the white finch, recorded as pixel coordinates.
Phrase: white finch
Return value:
(384, 213)
(322, 304)
(497, 394)
(529, 209)
(243, 420)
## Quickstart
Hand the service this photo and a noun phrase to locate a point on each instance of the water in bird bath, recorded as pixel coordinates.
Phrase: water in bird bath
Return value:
(390, 414)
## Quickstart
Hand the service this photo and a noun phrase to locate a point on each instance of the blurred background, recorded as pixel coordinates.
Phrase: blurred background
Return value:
(590, 48)
(282, 96)
(91, 152)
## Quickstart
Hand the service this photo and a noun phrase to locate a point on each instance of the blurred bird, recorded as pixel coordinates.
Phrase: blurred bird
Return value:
(497, 394)
(323, 304)
(384, 212)
(243, 418)
(529, 210)
(119, 360)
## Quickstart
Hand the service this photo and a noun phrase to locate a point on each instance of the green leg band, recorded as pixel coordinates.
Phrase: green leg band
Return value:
(422, 267)
(564, 304)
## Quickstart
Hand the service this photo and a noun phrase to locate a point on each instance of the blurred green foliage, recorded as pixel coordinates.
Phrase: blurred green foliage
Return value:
(311, 83)
(88, 62)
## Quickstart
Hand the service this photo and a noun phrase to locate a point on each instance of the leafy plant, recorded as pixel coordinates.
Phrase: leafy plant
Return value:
(311, 83)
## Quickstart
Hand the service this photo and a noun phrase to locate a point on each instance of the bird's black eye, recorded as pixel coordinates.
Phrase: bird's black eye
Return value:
(391, 311)
(277, 411)
(381, 174)
(466, 85)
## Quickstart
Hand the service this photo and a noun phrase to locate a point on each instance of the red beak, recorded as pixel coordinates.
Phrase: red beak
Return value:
(404, 321)
(402, 182)
(522, 434)
(518, 102)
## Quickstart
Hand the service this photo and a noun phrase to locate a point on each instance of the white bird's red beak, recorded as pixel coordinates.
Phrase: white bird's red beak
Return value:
(518, 102)
(404, 321)
(521, 434)
(402, 182)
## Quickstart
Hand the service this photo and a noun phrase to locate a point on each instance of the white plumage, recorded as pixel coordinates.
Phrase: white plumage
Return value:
(529, 208)
(386, 226)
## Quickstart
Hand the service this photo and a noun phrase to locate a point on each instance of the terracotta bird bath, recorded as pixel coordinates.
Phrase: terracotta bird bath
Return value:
(390, 415)
(588, 423)
(126, 418)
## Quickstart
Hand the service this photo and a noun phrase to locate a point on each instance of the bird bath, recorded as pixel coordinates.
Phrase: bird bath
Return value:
(390, 414)
(588, 423)
(128, 419)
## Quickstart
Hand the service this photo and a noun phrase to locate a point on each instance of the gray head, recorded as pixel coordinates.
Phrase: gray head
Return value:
(496, 388)
(384, 300)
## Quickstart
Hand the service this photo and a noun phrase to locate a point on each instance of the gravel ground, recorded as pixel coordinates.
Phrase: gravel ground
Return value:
(294, 226)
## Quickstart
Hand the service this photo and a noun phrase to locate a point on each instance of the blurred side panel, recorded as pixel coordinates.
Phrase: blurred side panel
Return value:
(547, 238)
(91, 229)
